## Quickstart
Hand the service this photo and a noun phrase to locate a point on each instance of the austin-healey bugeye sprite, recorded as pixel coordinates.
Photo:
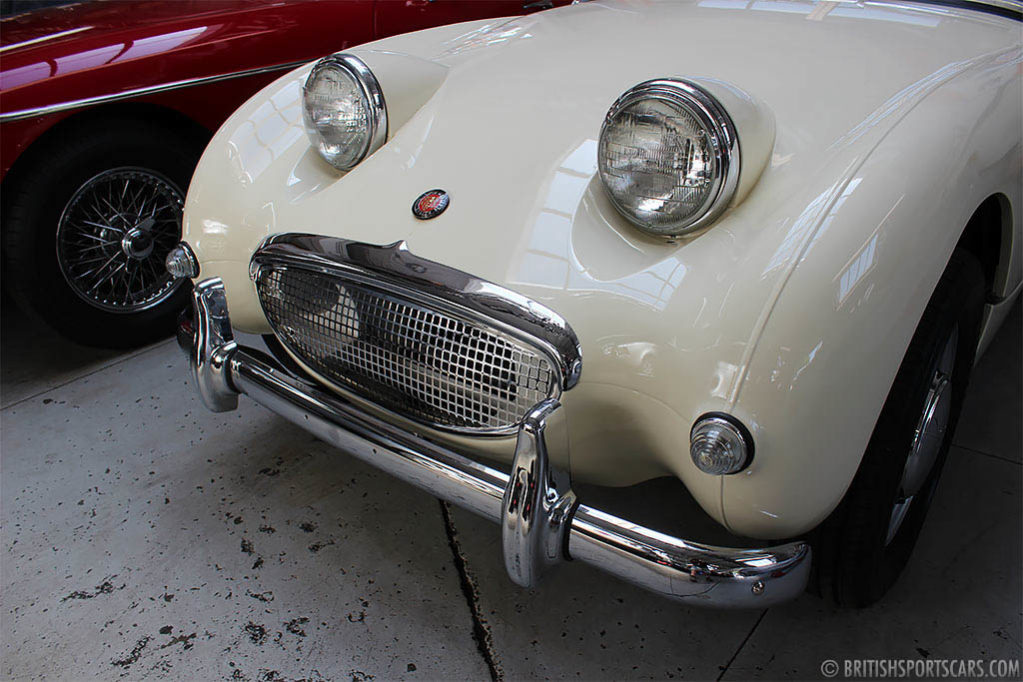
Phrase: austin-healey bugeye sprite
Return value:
(756, 246)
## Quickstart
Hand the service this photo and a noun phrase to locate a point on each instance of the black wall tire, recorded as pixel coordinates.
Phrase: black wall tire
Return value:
(862, 548)
(48, 210)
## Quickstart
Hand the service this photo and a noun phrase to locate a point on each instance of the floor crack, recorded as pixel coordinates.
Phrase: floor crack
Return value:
(741, 645)
(985, 454)
(480, 633)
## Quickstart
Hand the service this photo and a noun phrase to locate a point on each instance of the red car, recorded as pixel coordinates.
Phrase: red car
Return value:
(105, 109)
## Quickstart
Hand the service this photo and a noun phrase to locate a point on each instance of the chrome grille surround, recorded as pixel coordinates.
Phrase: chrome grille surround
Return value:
(416, 338)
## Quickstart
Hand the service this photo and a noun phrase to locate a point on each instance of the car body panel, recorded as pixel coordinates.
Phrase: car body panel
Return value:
(208, 105)
(62, 55)
(669, 330)
(104, 49)
(392, 17)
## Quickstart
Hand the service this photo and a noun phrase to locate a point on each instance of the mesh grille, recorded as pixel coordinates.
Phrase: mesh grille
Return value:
(417, 362)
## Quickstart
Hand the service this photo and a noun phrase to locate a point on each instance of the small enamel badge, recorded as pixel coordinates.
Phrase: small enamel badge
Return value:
(430, 204)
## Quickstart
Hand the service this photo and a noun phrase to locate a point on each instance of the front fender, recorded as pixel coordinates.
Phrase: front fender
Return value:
(836, 336)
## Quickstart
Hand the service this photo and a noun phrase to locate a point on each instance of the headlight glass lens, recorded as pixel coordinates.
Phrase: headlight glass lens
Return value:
(668, 157)
(344, 110)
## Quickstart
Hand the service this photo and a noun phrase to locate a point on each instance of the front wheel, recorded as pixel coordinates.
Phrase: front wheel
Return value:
(90, 223)
(868, 540)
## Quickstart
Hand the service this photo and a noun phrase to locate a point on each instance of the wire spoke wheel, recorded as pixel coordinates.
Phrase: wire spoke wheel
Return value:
(113, 236)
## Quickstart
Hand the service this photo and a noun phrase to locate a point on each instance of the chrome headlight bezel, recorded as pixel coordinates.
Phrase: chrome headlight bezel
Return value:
(372, 94)
(724, 147)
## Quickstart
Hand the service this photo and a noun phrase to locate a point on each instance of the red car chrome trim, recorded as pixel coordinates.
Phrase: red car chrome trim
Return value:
(128, 94)
(43, 39)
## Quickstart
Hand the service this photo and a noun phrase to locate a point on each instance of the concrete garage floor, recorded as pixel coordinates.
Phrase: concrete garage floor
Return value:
(144, 537)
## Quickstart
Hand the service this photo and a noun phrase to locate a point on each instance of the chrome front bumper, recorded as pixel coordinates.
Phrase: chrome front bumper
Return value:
(542, 523)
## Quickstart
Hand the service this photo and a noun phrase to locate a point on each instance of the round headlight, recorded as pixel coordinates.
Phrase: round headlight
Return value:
(669, 156)
(344, 110)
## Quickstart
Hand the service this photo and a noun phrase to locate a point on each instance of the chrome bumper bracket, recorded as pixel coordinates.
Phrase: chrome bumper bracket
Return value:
(542, 522)
(538, 502)
(213, 344)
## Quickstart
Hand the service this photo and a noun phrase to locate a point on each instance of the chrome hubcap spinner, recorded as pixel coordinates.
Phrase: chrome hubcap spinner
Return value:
(138, 242)
(928, 437)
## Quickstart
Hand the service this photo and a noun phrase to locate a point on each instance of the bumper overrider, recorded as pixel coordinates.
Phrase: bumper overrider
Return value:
(542, 521)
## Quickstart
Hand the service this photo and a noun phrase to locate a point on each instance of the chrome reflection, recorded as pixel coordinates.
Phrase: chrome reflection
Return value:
(394, 266)
(928, 437)
(672, 567)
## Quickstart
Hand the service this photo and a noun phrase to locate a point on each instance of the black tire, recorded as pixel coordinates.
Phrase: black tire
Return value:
(35, 200)
(862, 549)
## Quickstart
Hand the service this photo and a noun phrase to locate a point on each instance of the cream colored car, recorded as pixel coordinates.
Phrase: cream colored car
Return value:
(755, 246)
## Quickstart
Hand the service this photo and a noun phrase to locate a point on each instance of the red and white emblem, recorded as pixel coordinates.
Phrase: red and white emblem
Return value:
(430, 204)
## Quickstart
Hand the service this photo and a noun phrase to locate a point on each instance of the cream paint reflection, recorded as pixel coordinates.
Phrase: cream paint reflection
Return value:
(273, 128)
(548, 259)
(491, 34)
(840, 8)
(211, 237)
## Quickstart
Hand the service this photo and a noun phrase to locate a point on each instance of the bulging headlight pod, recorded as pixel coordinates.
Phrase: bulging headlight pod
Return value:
(344, 110)
(669, 156)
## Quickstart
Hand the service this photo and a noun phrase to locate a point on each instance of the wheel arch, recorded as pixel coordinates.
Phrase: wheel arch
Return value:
(988, 235)
(153, 114)
(38, 182)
